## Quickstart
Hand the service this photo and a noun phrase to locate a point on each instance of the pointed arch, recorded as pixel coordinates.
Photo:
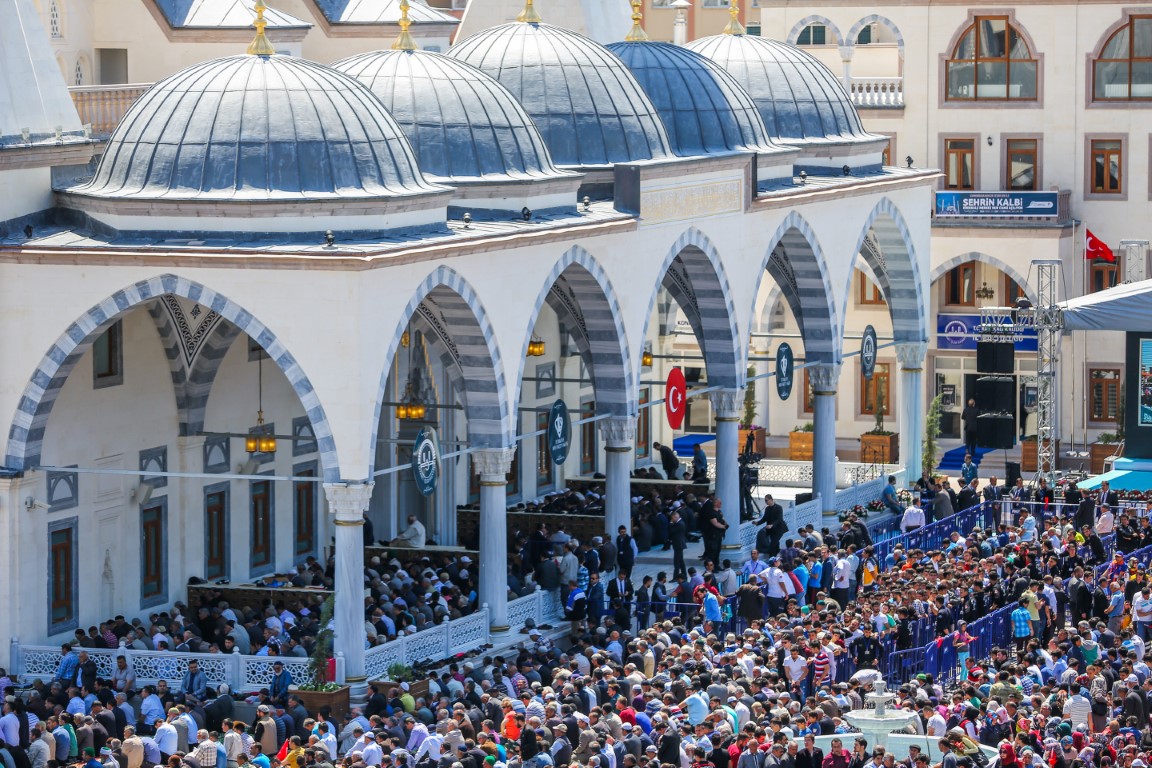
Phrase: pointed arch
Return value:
(452, 308)
(795, 260)
(694, 276)
(887, 247)
(798, 27)
(991, 261)
(578, 290)
(26, 435)
(883, 21)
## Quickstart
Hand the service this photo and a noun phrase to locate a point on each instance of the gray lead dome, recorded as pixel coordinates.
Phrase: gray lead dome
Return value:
(703, 108)
(463, 124)
(800, 100)
(253, 128)
(586, 104)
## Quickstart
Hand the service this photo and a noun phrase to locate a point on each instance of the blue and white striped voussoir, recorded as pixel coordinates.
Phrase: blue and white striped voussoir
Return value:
(606, 343)
(896, 270)
(882, 21)
(812, 300)
(991, 261)
(172, 351)
(800, 26)
(203, 373)
(25, 438)
(713, 313)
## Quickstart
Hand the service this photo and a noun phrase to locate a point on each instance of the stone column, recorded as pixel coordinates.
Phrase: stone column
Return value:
(846, 52)
(824, 378)
(347, 502)
(619, 433)
(728, 405)
(187, 495)
(912, 410)
(763, 386)
(493, 465)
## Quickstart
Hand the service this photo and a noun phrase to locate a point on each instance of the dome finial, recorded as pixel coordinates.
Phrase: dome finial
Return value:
(404, 41)
(734, 26)
(529, 14)
(637, 35)
(260, 46)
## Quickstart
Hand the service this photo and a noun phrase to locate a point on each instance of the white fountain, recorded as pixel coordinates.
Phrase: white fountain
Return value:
(875, 724)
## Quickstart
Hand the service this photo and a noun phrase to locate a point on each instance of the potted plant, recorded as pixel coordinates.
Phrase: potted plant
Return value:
(748, 424)
(800, 442)
(402, 673)
(320, 690)
(932, 435)
(878, 445)
(1105, 447)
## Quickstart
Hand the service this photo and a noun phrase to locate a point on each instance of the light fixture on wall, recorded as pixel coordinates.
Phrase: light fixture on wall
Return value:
(411, 406)
(989, 139)
(257, 443)
(646, 359)
(984, 292)
(405, 339)
(536, 347)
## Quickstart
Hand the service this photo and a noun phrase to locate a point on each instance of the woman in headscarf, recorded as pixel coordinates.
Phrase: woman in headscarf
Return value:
(1007, 757)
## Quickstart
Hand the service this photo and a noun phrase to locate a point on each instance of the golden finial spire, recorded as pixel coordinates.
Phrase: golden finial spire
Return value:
(260, 46)
(734, 26)
(529, 14)
(637, 35)
(404, 41)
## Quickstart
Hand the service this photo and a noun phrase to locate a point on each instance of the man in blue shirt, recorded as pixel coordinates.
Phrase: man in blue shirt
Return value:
(68, 667)
(281, 679)
(1022, 625)
(195, 684)
(888, 496)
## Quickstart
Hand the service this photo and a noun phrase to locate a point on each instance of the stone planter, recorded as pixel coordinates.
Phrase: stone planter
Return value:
(879, 449)
(339, 700)
(1098, 452)
(800, 446)
(757, 440)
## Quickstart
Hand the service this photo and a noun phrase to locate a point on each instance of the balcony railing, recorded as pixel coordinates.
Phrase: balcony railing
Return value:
(102, 106)
(878, 92)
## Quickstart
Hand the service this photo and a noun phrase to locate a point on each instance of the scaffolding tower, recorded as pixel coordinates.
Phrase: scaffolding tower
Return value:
(1045, 317)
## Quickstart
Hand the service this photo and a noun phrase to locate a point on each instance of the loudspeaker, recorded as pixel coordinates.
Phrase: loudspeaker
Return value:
(995, 357)
(995, 430)
(803, 498)
(1012, 473)
(995, 394)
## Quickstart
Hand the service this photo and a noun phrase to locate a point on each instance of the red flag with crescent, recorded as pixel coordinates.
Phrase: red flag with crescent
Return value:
(675, 398)
(1097, 250)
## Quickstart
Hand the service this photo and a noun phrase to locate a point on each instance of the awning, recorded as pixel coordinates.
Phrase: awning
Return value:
(1120, 480)
(1126, 307)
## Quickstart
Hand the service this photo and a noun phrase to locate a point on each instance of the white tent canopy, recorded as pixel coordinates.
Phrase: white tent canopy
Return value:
(1126, 307)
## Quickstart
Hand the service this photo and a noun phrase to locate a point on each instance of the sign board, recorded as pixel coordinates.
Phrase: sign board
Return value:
(785, 373)
(426, 460)
(868, 348)
(958, 332)
(559, 432)
(675, 398)
(997, 204)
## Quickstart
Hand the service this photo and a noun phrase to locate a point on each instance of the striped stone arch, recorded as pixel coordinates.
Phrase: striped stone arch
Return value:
(26, 435)
(886, 246)
(883, 21)
(192, 385)
(454, 304)
(815, 18)
(796, 262)
(694, 276)
(579, 291)
(991, 261)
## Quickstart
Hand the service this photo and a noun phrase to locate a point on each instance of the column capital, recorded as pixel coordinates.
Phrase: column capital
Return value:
(824, 377)
(348, 501)
(493, 464)
(619, 432)
(911, 355)
(728, 403)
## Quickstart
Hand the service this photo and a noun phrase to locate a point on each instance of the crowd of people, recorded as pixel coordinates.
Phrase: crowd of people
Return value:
(718, 665)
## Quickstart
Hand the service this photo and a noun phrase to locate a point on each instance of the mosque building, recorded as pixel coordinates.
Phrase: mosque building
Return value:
(230, 317)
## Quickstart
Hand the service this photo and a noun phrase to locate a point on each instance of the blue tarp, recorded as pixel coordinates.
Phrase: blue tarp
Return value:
(684, 444)
(1120, 480)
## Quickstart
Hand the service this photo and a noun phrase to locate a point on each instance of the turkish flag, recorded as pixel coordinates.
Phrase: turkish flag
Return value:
(1096, 250)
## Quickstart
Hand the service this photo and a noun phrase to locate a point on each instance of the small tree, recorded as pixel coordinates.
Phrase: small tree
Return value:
(321, 652)
(878, 412)
(932, 434)
(749, 420)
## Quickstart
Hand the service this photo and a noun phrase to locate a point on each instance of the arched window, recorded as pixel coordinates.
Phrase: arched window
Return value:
(78, 74)
(814, 34)
(54, 20)
(1123, 70)
(991, 62)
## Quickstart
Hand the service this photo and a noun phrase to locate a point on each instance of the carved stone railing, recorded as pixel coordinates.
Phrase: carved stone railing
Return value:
(102, 106)
(878, 92)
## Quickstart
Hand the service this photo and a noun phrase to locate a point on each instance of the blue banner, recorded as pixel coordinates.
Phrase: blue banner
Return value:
(998, 204)
(959, 332)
